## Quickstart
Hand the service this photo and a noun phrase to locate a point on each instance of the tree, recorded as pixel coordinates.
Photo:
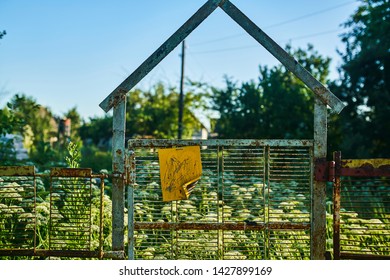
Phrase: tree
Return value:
(154, 112)
(38, 127)
(8, 121)
(97, 130)
(364, 82)
(279, 105)
(34, 117)
(149, 113)
(2, 33)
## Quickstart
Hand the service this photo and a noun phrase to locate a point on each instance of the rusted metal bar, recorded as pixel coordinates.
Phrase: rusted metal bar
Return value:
(50, 253)
(70, 253)
(101, 215)
(130, 181)
(365, 167)
(118, 167)
(322, 93)
(349, 256)
(336, 205)
(17, 252)
(168, 46)
(151, 143)
(221, 226)
(71, 172)
(318, 201)
(365, 172)
(378, 163)
(17, 171)
(35, 213)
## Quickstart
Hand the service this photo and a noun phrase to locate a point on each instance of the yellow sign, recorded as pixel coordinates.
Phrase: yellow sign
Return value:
(180, 170)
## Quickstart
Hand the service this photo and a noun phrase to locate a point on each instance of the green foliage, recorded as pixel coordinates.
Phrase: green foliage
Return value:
(38, 118)
(95, 158)
(74, 157)
(96, 131)
(9, 122)
(45, 156)
(277, 106)
(7, 152)
(154, 113)
(364, 83)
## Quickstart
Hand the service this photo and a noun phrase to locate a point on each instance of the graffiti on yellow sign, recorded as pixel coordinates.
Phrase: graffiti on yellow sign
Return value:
(180, 170)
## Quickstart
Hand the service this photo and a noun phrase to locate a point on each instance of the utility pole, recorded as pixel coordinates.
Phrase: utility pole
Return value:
(181, 97)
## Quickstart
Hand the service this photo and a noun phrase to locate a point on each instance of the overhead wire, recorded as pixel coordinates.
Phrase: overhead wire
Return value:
(257, 45)
(276, 24)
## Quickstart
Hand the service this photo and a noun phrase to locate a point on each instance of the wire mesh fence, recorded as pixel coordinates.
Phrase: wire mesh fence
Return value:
(252, 202)
(361, 218)
(51, 214)
(17, 210)
(365, 217)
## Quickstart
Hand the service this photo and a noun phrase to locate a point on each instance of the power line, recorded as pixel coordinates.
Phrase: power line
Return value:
(257, 45)
(314, 34)
(276, 24)
(309, 15)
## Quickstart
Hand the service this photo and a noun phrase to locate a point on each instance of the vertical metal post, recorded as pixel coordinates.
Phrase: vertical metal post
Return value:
(130, 162)
(181, 96)
(101, 216)
(336, 206)
(318, 201)
(35, 212)
(118, 168)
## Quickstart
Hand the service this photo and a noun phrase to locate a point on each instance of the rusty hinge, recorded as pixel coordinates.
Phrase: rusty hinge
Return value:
(324, 170)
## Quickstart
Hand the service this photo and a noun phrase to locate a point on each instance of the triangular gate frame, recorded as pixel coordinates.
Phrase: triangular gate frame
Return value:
(323, 98)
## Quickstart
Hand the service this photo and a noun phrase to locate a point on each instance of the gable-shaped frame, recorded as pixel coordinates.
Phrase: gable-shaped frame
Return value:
(323, 98)
(326, 96)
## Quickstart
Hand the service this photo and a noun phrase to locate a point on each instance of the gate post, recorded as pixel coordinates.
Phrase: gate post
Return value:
(318, 200)
(118, 169)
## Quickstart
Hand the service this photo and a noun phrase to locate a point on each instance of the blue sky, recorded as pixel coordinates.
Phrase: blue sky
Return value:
(68, 53)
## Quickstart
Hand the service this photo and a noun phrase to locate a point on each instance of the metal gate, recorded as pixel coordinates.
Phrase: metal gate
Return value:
(51, 214)
(253, 202)
(361, 204)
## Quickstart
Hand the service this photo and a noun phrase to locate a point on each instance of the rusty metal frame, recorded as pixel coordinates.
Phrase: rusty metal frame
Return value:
(19, 172)
(279, 155)
(151, 143)
(354, 168)
(323, 98)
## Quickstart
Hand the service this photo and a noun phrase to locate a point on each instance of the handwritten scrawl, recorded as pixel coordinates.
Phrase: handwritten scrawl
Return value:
(180, 170)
